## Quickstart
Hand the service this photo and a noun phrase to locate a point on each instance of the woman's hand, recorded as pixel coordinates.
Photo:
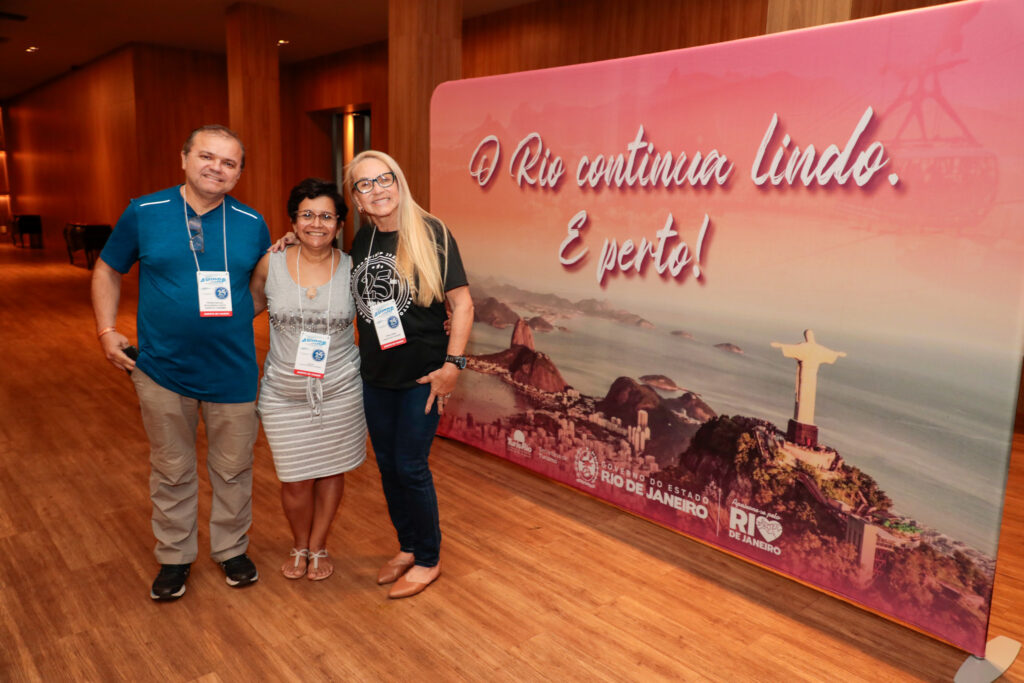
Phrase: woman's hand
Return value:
(442, 383)
(286, 241)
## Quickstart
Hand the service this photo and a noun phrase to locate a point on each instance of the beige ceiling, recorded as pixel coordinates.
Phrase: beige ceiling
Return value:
(70, 33)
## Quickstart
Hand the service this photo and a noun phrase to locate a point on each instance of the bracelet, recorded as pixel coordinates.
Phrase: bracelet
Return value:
(105, 330)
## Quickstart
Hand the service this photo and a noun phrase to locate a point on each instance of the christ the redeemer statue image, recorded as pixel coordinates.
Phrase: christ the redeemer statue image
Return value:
(808, 355)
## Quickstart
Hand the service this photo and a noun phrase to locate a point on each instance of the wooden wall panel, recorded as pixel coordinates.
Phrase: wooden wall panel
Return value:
(176, 91)
(786, 15)
(254, 97)
(312, 92)
(82, 145)
(71, 143)
(424, 50)
(546, 34)
(560, 32)
(869, 8)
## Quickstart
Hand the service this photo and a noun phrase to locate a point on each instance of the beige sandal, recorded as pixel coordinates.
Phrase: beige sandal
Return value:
(315, 557)
(292, 570)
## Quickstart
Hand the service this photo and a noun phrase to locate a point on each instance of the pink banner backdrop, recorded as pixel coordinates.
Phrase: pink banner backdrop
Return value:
(767, 293)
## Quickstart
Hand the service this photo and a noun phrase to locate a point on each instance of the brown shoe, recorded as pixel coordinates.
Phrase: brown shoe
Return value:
(394, 568)
(404, 588)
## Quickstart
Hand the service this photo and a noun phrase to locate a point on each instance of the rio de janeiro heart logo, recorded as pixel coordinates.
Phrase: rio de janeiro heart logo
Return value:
(770, 529)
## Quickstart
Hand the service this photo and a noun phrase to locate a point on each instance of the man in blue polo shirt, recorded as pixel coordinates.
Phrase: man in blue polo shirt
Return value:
(196, 248)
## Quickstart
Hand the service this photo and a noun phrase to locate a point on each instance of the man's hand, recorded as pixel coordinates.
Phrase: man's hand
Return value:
(106, 292)
(112, 344)
(448, 316)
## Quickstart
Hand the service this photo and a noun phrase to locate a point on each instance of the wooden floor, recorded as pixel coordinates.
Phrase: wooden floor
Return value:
(540, 582)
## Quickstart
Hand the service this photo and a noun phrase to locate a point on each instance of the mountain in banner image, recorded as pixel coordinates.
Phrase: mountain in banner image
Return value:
(493, 312)
(669, 420)
(499, 299)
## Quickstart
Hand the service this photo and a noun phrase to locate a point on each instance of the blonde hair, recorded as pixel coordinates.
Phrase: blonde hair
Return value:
(417, 250)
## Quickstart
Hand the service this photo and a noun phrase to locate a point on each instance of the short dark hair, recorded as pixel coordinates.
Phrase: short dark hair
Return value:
(311, 188)
(216, 129)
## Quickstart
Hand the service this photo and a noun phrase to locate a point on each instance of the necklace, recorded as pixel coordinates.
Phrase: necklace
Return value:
(311, 291)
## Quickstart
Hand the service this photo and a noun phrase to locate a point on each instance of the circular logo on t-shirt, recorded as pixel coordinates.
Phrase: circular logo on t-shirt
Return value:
(318, 355)
(393, 322)
(221, 292)
(375, 279)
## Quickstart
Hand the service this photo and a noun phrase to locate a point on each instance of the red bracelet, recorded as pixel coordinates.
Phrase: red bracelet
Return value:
(105, 330)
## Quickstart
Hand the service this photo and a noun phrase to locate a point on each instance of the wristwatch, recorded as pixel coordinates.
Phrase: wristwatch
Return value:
(457, 361)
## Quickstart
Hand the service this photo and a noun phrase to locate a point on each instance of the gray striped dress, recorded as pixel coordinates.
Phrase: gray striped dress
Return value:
(316, 428)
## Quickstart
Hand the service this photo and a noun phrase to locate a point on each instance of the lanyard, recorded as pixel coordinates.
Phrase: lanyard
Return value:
(369, 255)
(224, 228)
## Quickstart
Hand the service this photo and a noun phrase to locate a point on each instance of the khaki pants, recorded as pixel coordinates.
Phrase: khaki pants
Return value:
(171, 421)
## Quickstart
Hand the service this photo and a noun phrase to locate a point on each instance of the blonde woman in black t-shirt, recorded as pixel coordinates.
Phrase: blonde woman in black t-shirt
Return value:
(406, 265)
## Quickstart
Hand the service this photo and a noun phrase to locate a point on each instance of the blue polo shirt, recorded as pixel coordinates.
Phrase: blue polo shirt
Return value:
(209, 359)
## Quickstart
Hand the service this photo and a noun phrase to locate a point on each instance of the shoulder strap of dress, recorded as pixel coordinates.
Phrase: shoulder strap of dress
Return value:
(278, 266)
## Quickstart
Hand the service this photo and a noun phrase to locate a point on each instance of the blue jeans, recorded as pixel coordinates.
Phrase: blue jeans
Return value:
(401, 436)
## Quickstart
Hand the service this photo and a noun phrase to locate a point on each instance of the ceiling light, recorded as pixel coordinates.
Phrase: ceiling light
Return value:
(282, 43)
(32, 49)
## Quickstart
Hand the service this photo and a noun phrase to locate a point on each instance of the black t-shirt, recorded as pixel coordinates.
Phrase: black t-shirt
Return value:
(374, 280)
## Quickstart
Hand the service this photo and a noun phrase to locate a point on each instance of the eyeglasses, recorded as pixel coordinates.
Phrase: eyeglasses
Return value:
(327, 218)
(195, 234)
(365, 185)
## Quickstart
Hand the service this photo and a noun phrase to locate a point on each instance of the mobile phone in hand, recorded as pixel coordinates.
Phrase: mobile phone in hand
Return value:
(132, 352)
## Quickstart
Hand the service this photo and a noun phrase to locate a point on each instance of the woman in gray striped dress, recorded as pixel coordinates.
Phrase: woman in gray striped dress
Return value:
(311, 394)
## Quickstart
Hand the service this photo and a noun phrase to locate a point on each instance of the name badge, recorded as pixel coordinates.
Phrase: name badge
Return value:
(388, 324)
(311, 356)
(214, 293)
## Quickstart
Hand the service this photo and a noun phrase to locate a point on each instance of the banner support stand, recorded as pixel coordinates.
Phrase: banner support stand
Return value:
(1000, 652)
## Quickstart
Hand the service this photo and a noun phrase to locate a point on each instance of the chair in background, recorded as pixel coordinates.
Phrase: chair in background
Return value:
(88, 237)
(28, 224)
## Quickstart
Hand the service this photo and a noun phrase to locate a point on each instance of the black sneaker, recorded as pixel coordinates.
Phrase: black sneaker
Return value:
(170, 582)
(240, 571)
